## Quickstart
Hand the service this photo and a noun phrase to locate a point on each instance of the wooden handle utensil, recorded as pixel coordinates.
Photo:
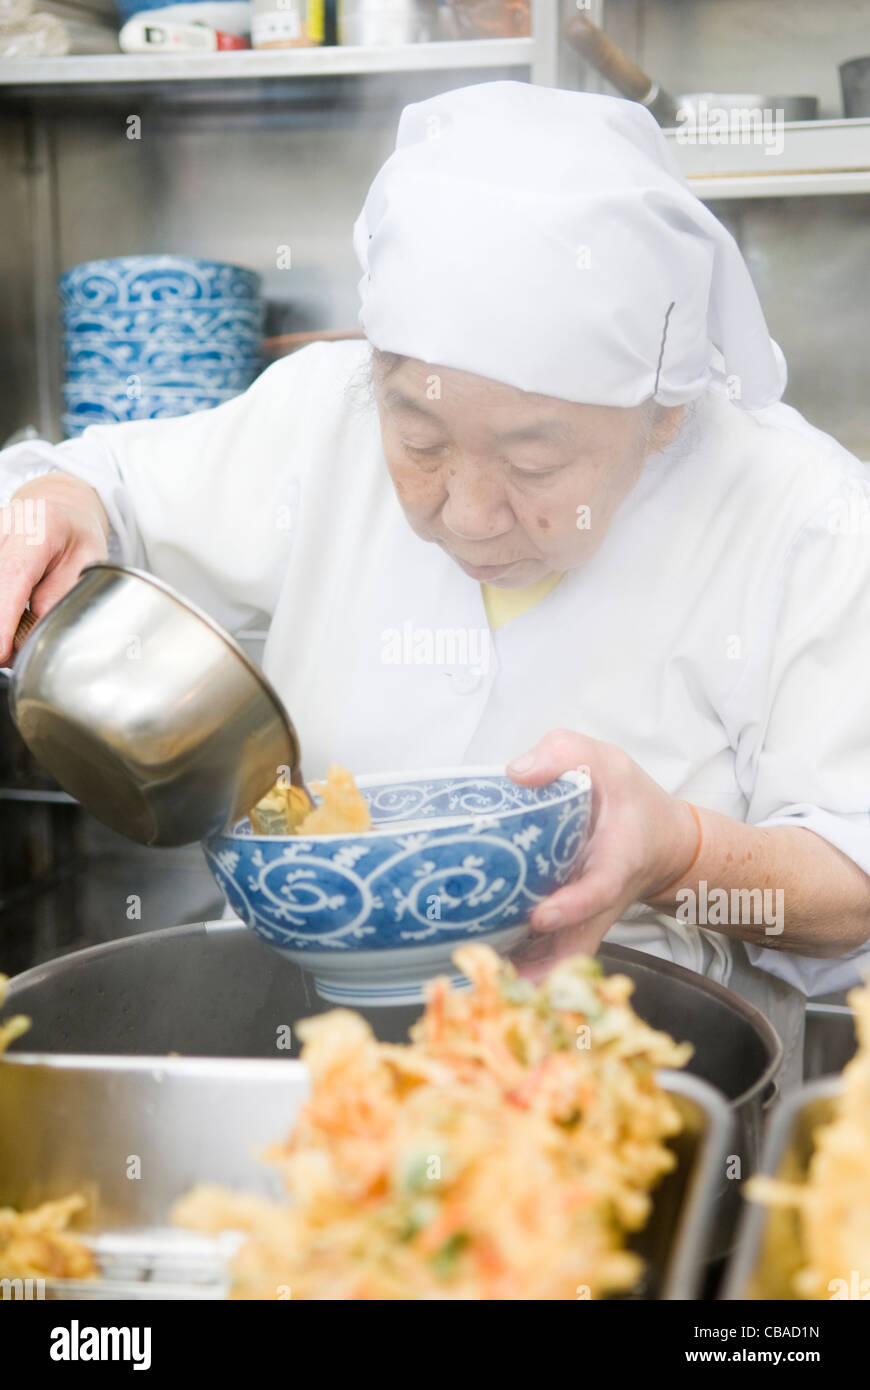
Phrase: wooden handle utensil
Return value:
(26, 624)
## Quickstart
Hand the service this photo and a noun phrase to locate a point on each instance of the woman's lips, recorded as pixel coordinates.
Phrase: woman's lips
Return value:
(485, 572)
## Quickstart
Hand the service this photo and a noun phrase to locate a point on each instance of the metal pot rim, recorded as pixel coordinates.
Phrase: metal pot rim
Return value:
(734, 1001)
(754, 1216)
(752, 1016)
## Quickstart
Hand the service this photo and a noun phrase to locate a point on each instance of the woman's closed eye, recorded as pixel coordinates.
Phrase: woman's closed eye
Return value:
(423, 451)
(532, 473)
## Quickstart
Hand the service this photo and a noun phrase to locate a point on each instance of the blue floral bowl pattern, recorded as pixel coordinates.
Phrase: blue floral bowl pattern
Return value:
(207, 380)
(454, 855)
(142, 280)
(219, 321)
(92, 404)
(154, 337)
(121, 356)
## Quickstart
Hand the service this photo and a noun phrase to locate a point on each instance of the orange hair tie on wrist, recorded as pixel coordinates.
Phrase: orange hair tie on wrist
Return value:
(695, 856)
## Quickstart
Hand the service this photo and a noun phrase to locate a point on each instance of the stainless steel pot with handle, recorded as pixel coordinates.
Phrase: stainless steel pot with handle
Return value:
(147, 711)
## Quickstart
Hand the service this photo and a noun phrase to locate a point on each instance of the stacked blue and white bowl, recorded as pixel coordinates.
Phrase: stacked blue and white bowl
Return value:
(146, 337)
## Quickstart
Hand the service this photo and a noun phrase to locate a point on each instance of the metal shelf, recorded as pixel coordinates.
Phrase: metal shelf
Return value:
(818, 157)
(784, 186)
(37, 795)
(169, 69)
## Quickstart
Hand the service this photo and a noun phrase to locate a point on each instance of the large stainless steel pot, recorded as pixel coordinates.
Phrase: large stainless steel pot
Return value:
(213, 989)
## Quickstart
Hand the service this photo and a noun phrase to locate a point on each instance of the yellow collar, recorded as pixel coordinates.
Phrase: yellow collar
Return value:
(503, 605)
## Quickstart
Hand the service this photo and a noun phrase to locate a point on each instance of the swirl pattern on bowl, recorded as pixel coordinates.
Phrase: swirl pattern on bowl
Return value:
(122, 356)
(141, 280)
(218, 321)
(203, 379)
(88, 404)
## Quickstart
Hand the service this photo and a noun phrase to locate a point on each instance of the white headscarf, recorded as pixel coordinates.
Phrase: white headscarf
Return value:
(548, 240)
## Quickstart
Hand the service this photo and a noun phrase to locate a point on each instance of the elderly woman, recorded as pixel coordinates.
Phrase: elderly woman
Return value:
(550, 513)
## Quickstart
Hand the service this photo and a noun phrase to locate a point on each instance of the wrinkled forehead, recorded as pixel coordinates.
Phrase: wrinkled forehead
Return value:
(409, 389)
(438, 399)
(396, 375)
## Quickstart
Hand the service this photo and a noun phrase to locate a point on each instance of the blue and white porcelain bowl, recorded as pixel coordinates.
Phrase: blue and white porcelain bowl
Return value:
(103, 356)
(218, 321)
(204, 379)
(142, 280)
(454, 855)
(94, 403)
(72, 425)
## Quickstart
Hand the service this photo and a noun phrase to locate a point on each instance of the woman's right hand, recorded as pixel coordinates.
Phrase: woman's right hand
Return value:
(52, 527)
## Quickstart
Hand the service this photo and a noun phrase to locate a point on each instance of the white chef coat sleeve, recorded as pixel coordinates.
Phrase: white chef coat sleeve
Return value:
(206, 502)
(812, 743)
(24, 463)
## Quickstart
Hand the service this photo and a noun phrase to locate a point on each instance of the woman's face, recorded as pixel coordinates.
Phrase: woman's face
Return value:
(513, 486)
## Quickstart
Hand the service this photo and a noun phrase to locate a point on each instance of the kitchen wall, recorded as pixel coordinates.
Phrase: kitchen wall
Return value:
(809, 258)
(235, 187)
(18, 360)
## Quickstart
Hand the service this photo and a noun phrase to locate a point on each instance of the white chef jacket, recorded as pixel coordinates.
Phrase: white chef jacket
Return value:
(720, 634)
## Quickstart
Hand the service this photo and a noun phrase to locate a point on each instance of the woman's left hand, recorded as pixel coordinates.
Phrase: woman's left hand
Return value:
(641, 839)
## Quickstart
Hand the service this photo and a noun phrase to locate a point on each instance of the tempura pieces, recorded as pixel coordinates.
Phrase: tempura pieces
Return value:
(833, 1204)
(342, 809)
(286, 809)
(36, 1244)
(504, 1153)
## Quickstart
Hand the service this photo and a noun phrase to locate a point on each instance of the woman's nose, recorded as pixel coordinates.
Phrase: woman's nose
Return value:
(476, 507)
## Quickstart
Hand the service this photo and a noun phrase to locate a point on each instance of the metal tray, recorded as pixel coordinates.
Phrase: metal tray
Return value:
(78, 1123)
(768, 1250)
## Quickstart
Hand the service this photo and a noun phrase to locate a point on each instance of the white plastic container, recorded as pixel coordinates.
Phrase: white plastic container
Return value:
(287, 23)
